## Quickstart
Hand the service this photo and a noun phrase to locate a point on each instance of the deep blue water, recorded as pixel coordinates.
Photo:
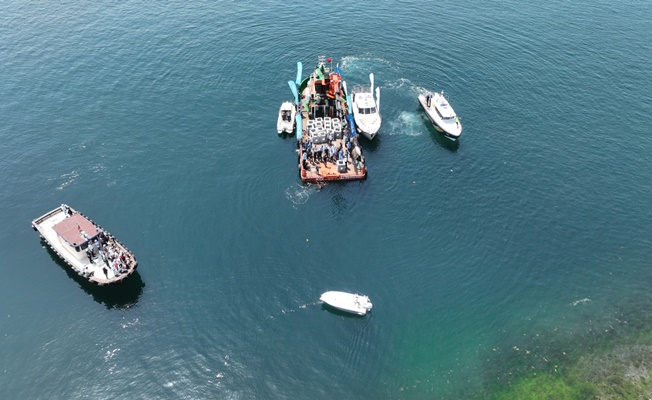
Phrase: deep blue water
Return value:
(158, 121)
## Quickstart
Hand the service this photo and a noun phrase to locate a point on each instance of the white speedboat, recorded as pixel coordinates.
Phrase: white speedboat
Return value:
(441, 114)
(286, 118)
(366, 109)
(349, 302)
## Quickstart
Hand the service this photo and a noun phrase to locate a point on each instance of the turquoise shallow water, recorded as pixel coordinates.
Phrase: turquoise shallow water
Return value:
(158, 121)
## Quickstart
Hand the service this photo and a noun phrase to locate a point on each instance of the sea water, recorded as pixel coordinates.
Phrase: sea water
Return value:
(482, 257)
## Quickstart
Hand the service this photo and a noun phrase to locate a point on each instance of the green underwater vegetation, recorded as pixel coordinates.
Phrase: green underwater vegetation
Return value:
(612, 360)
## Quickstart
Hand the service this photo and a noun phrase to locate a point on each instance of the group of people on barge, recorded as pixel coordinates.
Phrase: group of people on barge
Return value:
(327, 152)
(104, 249)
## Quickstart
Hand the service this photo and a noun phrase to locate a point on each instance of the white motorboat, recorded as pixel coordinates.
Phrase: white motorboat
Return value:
(286, 118)
(349, 302)
(441, 114)
(366, 109)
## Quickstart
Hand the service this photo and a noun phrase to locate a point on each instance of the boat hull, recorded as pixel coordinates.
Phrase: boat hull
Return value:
(347, 302)
(368, 133)
(366, 124)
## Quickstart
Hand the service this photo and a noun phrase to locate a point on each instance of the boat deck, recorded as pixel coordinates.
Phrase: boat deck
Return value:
(56, 223)
(320, 167)
(328, 150)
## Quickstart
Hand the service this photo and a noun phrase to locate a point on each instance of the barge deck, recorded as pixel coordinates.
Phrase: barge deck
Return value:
(85, 247)
(326, 137)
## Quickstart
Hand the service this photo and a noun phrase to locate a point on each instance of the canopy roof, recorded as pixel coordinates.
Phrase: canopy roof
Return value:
(445, 110)
(76, 229)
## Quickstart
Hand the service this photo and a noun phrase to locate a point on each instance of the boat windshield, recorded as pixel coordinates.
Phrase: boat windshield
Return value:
(367, 110)
(446, 116)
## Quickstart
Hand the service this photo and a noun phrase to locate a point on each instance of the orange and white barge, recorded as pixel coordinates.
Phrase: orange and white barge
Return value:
(327, 142)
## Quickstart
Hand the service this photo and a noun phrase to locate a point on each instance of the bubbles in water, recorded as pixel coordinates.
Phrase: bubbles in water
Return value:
(401, 83)
(98, 168)
(67, 179)
(298, 194)
(408, 123)
(130, 323)
(362, 63)
(110, 354)
(576, 302)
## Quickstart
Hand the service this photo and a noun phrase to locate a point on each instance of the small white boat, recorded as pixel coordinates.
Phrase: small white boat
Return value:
(441, 114)
(286, 118)
(349, 302)
(366, 109)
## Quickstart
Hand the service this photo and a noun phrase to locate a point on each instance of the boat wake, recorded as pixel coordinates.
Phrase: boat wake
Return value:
(293, 310)
(351, 64)
(400, 83)
(68, 179)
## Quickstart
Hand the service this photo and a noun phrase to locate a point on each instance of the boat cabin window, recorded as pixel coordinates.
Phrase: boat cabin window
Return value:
(367, 110)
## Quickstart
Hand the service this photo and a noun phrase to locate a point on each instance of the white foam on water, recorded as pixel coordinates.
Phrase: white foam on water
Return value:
(353, 62)
(130, 323)
(576, 302)
(297, 194)
(407, 123)
(110, 354)
(68, 179)
(400, 83)
(98, 168)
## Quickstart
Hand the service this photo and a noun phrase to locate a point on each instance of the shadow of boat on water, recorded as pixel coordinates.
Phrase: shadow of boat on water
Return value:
(370, 145)
(286, 136)
(436, 136)
(121, 296)
(333, 310)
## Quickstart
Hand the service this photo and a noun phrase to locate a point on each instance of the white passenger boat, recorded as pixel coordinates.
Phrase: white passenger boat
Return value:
(441, 114)
(366, 109)
(286, 118)
(90, 251)
(349, 302)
